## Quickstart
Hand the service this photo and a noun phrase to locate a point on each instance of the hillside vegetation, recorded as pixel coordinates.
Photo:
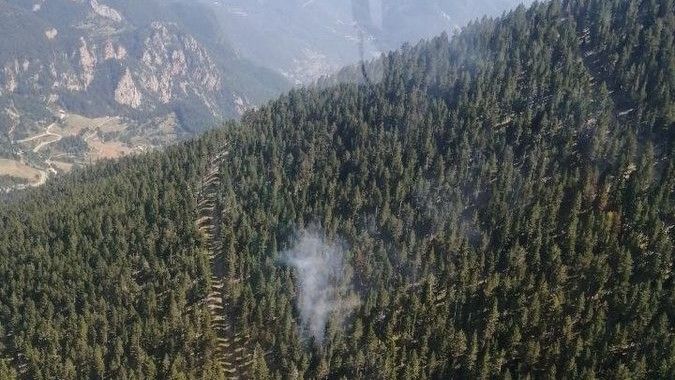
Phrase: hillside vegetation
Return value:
(503, 202)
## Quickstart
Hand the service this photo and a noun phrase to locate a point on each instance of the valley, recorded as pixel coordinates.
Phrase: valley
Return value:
(82, 81)
(74, 140)
(306, 40)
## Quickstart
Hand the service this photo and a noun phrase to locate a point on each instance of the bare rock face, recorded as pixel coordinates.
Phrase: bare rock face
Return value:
(175, 65)
(10, 81)
(51, 33)
(111, 52)
(127, 93)
(11, 73)
(240, 105)
(121, 52)
(87, 63)
(105, 11)
(168, 66)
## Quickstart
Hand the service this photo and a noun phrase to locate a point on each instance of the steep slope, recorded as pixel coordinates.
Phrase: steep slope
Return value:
(161, 67)
(500, 204)
(233, 349)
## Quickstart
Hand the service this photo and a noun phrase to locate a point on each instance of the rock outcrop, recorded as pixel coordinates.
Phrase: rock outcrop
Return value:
(51, 33)
(133, 60)
(105, 11)
(87, 63)
(126, 92)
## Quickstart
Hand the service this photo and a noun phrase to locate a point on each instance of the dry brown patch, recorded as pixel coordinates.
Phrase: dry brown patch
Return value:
(74, 124)
(17, 169)
(109, 149)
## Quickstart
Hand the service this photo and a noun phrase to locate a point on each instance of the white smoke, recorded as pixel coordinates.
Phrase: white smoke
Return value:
(323, 282)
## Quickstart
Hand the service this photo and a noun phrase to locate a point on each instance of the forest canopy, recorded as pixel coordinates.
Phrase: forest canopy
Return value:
(500, 204)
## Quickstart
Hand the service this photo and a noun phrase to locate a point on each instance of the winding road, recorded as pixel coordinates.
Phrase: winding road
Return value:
(44, 174)
(44, 143)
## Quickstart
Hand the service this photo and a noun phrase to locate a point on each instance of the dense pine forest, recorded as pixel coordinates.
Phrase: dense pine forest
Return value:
(502, 203)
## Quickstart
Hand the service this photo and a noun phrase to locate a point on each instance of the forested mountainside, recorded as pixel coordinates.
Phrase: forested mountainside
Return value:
(501, 205)
(113, 77)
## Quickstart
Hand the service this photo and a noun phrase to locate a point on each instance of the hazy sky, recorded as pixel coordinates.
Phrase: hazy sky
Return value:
(304, 39)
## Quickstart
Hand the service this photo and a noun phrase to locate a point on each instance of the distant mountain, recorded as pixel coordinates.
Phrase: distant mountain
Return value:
(125, 56)
(162, 68)
(306, 39)
(410, 20)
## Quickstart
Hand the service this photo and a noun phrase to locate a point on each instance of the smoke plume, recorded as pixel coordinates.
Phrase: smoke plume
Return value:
(323, 282)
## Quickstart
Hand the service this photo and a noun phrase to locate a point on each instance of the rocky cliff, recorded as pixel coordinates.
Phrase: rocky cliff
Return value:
(137, 61)
(98, 60)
